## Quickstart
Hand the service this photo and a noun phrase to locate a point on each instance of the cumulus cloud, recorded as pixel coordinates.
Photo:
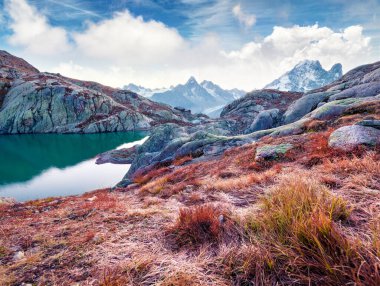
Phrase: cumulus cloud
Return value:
(131, 39)
(32, 31)
(247, 20)
(285, 47)
(126, 48)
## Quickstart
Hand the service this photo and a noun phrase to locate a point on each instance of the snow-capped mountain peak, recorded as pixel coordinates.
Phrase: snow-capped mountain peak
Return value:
(146, 92)
(206, 97)
(191, 81)
(305, 76)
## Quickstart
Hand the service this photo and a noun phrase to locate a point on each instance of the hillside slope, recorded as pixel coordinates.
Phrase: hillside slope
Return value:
(37, 102)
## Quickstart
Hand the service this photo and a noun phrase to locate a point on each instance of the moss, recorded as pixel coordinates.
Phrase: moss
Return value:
(272, 151)
(3, 251)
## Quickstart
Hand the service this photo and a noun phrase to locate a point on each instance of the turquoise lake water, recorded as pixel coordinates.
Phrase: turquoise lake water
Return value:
(45, 165)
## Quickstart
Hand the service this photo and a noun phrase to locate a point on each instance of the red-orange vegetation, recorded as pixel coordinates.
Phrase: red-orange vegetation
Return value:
(202, 224)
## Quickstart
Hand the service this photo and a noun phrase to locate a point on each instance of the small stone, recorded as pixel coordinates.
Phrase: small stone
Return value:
(91, 199)
(97, 239)
(19, 255)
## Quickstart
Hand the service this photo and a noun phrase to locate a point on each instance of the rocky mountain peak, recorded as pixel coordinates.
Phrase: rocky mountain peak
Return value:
(192, 81)
(308, 64)
(306, 75)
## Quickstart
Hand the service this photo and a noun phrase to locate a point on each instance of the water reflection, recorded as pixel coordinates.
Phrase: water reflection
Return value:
(41, 165)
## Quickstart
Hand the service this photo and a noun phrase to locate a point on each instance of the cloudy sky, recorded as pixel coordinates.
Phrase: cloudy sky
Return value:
(156, 43)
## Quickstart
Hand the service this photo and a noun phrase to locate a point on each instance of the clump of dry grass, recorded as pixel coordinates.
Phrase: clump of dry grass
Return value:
(242, 181)
(6, 278)
(354, 172)
(203, 224)
(248, 264)
(182, 160)
(181, 278)
(155, 186)
(297, 236)
(291, 202)
(134, 272)
(143, 178)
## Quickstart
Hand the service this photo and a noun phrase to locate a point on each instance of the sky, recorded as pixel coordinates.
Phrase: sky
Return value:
(157, 43)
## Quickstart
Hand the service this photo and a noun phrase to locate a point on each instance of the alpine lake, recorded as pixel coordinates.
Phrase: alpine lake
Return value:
(35, 166)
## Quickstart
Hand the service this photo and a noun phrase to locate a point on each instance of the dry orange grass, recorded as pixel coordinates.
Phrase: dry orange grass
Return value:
(354, 173)
(203, 224)
(297, 237)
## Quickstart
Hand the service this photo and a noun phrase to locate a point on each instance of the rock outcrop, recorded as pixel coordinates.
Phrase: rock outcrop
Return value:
(34, 102)
(271, 113)
(257, 110)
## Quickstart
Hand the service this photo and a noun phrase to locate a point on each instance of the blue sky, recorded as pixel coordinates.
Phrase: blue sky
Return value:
(239, 31)
(192, 17)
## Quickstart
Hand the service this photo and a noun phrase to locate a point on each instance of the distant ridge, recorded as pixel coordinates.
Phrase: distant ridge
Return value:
(205, 97)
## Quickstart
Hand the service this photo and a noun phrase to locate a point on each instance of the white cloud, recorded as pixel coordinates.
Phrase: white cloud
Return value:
(285, 47)
(32, 31)
(248, 20)
(129, 40)
(126, 48)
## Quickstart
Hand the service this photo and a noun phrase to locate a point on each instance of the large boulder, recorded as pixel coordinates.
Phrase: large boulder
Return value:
(337, 108)
(304, 105)
(362, 90)
(266, 119)
(348, 138)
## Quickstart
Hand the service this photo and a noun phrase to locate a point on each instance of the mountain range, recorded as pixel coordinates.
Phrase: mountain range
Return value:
(305, 76)
(209, 98)
(205, 97)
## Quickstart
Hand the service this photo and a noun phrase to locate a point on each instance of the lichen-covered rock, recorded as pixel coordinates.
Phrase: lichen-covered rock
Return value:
(304, 105)
(257, 110)
(336, 108)
(266, 119)
(362, 90)
(370, 123)
(268, 152)
(348, 138)
(118, 156)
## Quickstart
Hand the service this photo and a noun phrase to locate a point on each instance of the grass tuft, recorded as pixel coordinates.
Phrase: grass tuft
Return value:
(203, 224)
(297, 236)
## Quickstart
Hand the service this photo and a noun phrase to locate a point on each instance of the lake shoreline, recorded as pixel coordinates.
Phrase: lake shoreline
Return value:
(39, 166)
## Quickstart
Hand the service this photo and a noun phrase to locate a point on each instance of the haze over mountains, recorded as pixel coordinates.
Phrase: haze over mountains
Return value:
(209, 98)
(205, 97)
